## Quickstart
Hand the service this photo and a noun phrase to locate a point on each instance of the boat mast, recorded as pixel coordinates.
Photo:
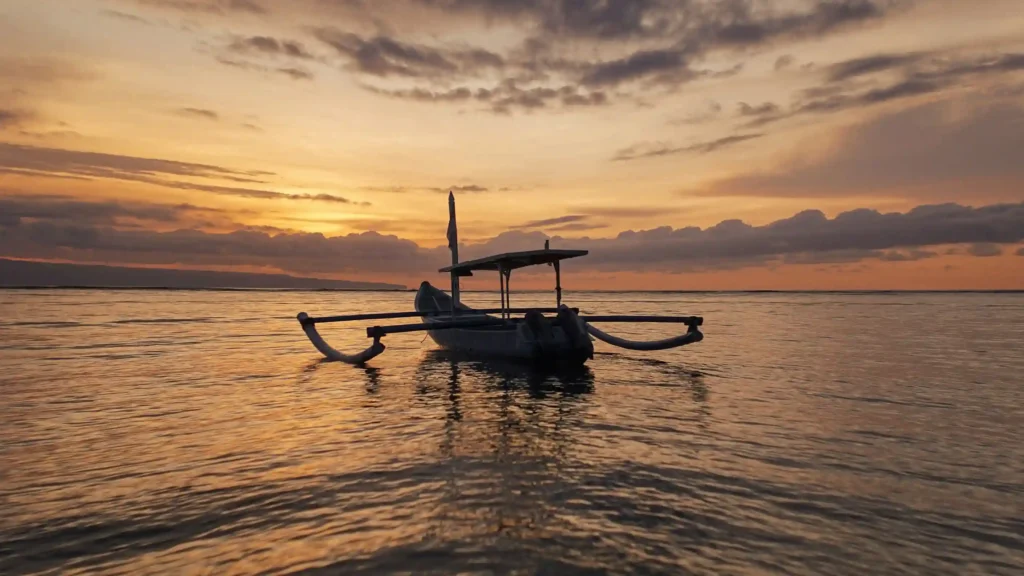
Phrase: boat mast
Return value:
(453, 243)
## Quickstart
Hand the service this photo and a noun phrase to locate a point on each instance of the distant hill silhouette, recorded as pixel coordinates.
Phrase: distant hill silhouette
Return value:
(16, 273)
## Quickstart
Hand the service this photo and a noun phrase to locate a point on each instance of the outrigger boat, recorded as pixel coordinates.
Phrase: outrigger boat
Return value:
(566, 339)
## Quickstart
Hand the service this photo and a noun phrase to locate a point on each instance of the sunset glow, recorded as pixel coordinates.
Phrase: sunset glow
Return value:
(864, 144)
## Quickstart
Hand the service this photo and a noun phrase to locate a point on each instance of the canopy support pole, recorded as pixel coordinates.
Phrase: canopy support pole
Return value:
(558, 284)
(501, 291)
(508, 291)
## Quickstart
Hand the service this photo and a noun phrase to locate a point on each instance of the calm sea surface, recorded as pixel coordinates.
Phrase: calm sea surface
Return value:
(198, 432)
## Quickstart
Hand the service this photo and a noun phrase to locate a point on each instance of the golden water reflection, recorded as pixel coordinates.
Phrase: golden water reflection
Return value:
(182, 432)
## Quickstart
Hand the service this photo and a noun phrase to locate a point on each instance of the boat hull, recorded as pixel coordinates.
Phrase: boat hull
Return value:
(518, 342)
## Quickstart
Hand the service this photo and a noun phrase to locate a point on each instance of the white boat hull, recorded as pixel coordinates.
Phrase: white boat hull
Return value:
(517, 342)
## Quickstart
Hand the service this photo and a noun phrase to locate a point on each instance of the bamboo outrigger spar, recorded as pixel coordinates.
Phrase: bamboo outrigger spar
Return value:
(564, 339)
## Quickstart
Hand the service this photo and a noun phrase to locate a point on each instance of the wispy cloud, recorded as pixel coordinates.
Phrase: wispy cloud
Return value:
(39, 161)
(126, 16)
(654, 150)
(293, 72)
(570, 219)
(220, 7)
(269, 46)
(201, 113)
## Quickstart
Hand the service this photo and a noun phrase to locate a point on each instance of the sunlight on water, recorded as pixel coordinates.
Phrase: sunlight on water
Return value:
(176, 431)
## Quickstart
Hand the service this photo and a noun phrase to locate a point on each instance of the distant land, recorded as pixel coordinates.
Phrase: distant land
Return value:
(21, 274)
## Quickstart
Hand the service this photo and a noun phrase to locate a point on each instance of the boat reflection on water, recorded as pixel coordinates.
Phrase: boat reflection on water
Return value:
(499, 465)
(507, 450)
(538, 383)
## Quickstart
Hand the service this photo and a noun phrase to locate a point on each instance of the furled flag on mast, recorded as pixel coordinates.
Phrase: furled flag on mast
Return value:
(453, 244)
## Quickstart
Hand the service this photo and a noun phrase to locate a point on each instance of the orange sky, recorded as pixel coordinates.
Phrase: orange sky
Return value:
(321, 138)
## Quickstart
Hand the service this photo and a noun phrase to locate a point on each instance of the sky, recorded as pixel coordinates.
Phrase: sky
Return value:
(687, 144)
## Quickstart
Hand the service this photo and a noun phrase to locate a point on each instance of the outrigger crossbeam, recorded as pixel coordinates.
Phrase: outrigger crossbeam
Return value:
(393, 315)
(381, 331)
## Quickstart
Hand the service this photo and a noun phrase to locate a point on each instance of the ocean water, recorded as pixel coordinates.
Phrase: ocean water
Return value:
(198, 432)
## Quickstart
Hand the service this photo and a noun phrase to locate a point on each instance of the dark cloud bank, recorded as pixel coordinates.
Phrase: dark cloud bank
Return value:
(52, 228)
(576, 52)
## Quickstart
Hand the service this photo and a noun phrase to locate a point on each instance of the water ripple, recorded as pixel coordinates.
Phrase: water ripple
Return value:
(180, 432)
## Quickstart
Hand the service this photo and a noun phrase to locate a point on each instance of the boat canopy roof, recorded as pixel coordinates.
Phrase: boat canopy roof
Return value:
(512, 261)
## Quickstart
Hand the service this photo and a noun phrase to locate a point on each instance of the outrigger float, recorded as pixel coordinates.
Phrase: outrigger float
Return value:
(564, 340)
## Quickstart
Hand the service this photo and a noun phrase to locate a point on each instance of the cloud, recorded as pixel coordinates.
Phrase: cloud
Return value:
(78, 163)
(293, 72)
(572, 218)
(759, 115)
(41, 231)
(668, 65)
(699, 29)
(501, 99)
(125, 16)
(609, 19)
(509, 96)
(572, 52)
(765, 109)
(267, 55)
(55, 162)
(849, 69)
(266, 45)
(662, 149)
(258, 193)
(986, 250)
(629, 211)
(10, 118)
(201, 113)
(785, 61)
(309, 254)
(466, 188)
(221, 7)
(808, 237)
(384, 56)
(934, 149)
(567, 54)
(710, 112)
(29, 74)
(917, 74)
(577, 227)
(458, 189)
(907, 255)
(60, 208)
(738, 22)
